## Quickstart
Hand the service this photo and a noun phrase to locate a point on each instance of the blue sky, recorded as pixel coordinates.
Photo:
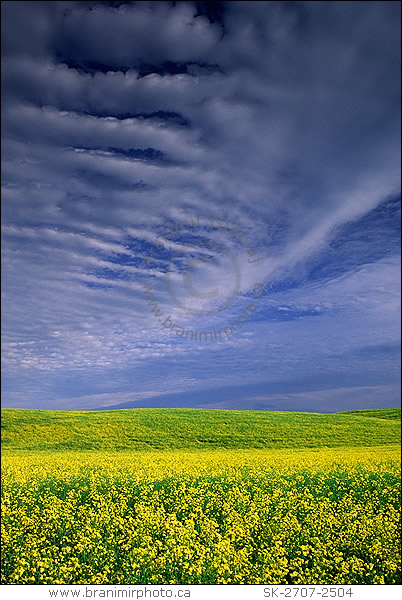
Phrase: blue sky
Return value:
(177, 169)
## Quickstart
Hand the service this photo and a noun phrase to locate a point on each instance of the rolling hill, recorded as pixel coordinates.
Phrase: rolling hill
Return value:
(141, 429)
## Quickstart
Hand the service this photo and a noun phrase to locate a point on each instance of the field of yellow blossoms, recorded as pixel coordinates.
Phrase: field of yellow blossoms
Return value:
(210, 517)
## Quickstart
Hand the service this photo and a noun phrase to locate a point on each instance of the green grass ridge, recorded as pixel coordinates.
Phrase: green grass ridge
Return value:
(170, 429)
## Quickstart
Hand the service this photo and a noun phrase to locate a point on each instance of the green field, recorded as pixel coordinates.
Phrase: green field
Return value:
(159, 496)
(163, 429)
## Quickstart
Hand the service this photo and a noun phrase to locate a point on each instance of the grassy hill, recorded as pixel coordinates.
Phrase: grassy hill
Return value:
(377, 413)
(142, 429)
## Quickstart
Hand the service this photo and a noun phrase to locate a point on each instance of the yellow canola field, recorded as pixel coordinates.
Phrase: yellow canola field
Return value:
(327, 516)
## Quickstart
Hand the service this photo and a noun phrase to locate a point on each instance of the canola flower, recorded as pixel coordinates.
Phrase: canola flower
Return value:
(326, 516)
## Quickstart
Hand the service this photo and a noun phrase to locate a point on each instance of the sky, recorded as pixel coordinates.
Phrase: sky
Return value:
(201, 205)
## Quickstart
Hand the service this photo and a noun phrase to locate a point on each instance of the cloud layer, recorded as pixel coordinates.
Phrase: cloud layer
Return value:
(278, 120)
